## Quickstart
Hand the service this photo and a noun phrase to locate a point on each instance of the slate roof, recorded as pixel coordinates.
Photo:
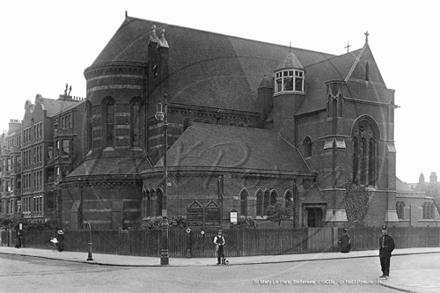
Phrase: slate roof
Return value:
(220, 71)
(345, 68)
(55, 107)
(208, 145)
(205, 68)
(110, 166)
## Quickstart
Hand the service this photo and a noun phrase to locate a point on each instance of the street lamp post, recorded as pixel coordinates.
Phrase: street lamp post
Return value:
(90, 257)
(161, 115)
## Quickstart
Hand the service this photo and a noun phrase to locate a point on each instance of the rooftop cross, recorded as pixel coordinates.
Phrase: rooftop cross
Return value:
(348, 46)
(366, 36)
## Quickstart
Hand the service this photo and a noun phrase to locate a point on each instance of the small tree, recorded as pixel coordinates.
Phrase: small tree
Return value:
(10, 221)
(277, 213)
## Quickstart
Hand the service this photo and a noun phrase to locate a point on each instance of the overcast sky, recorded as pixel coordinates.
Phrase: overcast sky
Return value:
(46, 44)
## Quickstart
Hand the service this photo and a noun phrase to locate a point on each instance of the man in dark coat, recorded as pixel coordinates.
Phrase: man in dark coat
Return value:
(60, 240)
(345, 241)
(386, 246)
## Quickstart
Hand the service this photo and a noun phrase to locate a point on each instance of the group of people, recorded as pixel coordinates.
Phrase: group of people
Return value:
(386, 247)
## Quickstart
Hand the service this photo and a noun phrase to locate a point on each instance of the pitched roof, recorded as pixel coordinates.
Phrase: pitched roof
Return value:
(206, 68)
(347, 68)
(208, 145)
(290, 61)
(110, 166)
(55, 107)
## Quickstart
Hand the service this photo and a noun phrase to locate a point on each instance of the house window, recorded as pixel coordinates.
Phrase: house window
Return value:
(66, 147)
(289, 81)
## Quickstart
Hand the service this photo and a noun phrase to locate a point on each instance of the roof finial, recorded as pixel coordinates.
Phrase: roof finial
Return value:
(153, 36)
(366, 37)
(162, 41)
(348, 46)
(290, 47)
(126, 14)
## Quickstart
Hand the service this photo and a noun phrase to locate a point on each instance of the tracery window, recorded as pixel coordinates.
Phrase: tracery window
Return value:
(364, 138)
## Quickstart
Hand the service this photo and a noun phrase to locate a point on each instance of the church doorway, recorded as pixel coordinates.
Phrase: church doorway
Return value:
(314, 217)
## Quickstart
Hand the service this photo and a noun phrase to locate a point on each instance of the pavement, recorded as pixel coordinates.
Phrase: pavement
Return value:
(406, 280)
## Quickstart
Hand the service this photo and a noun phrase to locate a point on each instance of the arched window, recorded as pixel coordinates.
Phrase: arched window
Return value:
(266, 201)
(288, 199)
(243, 202)
(148, 204)
(307, 144)
(260, 205)
(273, 197)
(365, 135)
(159, 201)
(89, 129)
(400, 206)
(135, 127)
(108, 121)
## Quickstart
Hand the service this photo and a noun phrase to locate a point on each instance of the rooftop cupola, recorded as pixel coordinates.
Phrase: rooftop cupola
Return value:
(289, 76)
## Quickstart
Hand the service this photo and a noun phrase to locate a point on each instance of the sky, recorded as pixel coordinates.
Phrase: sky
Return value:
(46, 44)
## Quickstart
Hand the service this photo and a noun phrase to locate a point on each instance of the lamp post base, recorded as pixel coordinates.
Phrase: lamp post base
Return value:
(90, 257)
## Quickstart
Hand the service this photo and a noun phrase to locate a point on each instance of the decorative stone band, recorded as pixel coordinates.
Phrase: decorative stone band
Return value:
(114, 86)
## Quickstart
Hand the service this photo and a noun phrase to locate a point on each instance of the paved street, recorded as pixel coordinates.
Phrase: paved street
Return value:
(28, 274)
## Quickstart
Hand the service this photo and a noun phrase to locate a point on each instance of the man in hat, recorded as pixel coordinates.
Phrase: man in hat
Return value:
(219, 242)
(386, 246)
(345, 241)
(60, 240)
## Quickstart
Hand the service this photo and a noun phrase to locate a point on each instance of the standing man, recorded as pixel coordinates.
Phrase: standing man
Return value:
(219, 242)
(386, 246)
(345, 241)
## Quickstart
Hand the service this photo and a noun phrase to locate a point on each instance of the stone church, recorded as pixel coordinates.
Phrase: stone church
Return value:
(249, 124)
